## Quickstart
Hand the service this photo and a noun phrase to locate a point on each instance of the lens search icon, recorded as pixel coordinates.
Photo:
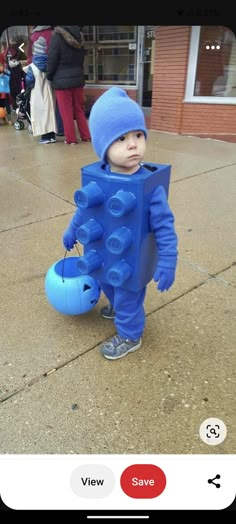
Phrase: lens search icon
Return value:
(213, 431)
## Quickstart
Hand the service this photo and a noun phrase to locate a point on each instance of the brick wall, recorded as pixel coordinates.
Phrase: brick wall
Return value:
(171, 52)
(92, 94)
(209, 120)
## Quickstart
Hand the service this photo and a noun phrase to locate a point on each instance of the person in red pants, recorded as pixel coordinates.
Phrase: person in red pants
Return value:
(66, 73)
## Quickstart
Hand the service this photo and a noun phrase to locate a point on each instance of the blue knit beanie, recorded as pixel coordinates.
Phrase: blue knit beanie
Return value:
(114, 114)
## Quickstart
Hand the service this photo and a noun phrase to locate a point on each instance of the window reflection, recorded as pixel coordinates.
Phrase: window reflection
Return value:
(216, 66)
(111, 54)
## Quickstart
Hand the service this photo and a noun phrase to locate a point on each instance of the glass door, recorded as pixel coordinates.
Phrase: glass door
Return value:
(146, 65)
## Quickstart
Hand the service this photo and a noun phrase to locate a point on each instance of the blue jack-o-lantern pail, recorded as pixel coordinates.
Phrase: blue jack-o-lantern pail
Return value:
(68, 291)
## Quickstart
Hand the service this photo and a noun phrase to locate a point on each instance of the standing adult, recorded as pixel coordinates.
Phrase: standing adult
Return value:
(44, 31)
(42, 97)
(65, 71)
(17, 74)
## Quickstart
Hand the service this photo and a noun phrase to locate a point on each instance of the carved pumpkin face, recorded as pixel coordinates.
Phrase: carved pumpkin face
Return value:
(68, 291)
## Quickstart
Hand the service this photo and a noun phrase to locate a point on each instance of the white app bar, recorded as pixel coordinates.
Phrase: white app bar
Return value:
(118, 482)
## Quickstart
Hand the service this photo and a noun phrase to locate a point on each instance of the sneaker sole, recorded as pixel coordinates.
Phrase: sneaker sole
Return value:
(131, 350)
(107, 317)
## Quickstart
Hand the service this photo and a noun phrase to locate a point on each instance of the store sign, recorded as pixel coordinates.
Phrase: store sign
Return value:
(150, 31)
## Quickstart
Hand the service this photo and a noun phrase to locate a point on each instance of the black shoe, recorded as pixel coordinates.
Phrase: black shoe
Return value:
(108, 312)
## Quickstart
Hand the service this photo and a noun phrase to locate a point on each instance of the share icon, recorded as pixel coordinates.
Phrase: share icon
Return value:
(211, 481)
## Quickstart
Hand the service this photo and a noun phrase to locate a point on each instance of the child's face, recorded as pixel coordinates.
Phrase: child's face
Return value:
(126, 153)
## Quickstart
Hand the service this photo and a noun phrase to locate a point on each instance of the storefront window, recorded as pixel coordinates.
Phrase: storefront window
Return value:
(111, 54)
(89, 33)
(112, 33)
(16, 36)
(216, 63)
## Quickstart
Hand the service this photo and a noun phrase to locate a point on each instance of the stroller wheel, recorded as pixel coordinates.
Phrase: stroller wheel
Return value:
(22, 125)
(17, 125)
(30, 128)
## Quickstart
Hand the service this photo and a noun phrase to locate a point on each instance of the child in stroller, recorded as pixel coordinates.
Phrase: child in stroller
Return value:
(23, 110)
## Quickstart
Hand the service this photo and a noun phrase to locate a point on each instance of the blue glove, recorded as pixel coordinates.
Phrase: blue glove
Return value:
(69, 238)
(165, 276)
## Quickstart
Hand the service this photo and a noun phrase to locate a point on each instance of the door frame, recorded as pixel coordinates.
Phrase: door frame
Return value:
(141, 63)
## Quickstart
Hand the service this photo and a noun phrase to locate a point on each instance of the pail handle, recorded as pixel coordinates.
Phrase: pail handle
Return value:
(63, 263)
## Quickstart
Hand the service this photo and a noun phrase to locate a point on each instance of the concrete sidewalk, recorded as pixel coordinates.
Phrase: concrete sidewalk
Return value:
(58, 394)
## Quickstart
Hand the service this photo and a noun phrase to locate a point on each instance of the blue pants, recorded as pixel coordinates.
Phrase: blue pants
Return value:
(60, 127)
(129, 309)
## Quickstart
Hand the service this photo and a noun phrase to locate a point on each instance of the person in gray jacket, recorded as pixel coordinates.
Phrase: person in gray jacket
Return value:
(66, 73)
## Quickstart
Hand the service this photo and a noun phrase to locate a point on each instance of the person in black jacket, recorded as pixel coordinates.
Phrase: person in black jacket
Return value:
(65, 71)
(17, 74)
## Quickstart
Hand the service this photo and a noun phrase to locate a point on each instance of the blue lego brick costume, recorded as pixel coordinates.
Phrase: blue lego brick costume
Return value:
(125, 239)
(115, 226)
(124, 223)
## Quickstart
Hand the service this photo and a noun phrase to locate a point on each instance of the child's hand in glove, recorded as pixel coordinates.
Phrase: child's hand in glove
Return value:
(69, 239)
(165, 277)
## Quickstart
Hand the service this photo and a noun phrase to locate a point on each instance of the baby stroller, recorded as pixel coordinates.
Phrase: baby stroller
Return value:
(23, 110)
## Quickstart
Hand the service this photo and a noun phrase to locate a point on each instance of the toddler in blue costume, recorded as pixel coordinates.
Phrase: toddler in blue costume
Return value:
(123, 219)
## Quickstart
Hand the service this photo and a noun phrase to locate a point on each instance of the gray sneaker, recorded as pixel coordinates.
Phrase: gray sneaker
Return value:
(108, 312)
(119, 347)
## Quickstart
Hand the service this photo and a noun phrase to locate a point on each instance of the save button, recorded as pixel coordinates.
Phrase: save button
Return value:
(143, 481)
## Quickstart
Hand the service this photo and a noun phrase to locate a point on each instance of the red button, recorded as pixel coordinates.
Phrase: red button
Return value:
(143, 481)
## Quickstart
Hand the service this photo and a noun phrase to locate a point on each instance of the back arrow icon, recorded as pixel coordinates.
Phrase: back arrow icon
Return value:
(21, 46)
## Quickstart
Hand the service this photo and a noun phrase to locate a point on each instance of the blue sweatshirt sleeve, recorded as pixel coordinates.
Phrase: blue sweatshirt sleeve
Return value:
(76, 220)
(69, 237)
(162, 225)
(29, 79)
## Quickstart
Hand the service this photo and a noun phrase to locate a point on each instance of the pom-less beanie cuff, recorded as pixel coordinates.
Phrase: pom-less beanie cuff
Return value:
(114, 114)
